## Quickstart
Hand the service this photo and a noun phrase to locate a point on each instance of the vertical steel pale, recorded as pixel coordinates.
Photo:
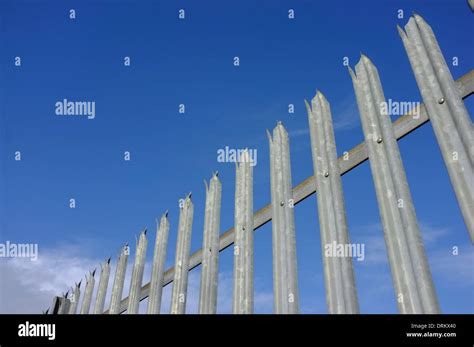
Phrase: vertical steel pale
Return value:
(86, 303)
(117, 288)
(285, 274)
(341, 293)
(159, 259)
(243, 291)
(210, 247)
(181, 269)
(137, 275)
(76, 294)
(452, 126)
(410, 270)
(65, 304)
(102, 288)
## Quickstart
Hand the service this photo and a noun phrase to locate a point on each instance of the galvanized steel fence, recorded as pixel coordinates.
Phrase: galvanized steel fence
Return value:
(443, 106)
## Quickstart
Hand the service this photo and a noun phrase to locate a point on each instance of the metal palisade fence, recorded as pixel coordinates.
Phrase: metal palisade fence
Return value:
(415, 293)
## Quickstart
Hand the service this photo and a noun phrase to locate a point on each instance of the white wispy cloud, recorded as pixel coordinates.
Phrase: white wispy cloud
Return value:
(29, 286)
(372, 236)
(346, 114)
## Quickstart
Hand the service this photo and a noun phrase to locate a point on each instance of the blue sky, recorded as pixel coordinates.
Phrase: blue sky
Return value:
(190, 61)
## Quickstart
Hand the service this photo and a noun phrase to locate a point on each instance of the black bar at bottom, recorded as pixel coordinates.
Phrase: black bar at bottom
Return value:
(314, 330)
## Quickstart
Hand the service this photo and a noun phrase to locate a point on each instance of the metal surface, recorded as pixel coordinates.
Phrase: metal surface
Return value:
(285, 273)
(76, 294)
(410, 271)
(137, 274)
(117, 288)
(341, 293)
(159, 259)
(86, 303)
(451, 123)
(64, 305)
(181, 272)
(102, 288)
(210, 261)
(243, 291)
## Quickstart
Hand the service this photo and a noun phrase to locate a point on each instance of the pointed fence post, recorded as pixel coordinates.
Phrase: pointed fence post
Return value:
(452, 126)
(137, 275)
(102, 288)
(55, 305)
(65, 304)
(339, 279)
(410, 270)
(86, 302)
(210, 257)
(117, 288)
(183, 247)
(243, 293)
(159, 259)
(76, 294)
(285, 275)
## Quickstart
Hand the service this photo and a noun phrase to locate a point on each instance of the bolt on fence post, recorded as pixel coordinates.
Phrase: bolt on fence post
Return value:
(117, 288)
(102, 288)
(159, 259)
(410, 270)
(451, 123)
(243, 291)
(210, 247)
(137, 274)
(76, 294)
(181, 270)
(86, 302)
(285, 275)
(339, 278)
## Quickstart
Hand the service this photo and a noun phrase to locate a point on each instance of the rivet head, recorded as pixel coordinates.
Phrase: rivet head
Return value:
(379, 140)
(441, 101)
(282, 203)
(326, 174)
